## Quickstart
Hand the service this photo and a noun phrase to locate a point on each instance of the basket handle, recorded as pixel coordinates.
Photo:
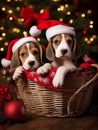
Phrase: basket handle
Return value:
(77, 93)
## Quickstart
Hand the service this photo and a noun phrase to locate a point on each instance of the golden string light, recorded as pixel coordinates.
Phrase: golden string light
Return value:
(8, 0)
(1, 28)
(10, 18)
(1, 38)
(38, 39)
(42, 10)
(89, 11)
(16, 30)
(91, 26)
(82, 15)
(71, 21)
(10, 11)
(20, 20)
(91, 22)
(68, 13)
(3, 34)
(61, 19)
(3, 8)
(66, 5)
(55, 0)
(18, 8)
(61, 8)
(85, 39)
(25, 33)
(1, 49)
(94, 36)
(90, 40)
(6, 43)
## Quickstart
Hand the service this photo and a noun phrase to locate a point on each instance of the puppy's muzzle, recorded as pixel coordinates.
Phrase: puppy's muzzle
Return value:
(31, 63)
(64, 51)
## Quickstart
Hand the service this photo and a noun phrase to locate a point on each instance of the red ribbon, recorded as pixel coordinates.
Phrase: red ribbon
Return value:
(30, 16)
(89, 60)
(86, 66)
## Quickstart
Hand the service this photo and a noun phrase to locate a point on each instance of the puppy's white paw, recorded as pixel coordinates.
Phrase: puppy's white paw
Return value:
(18, 72)
(44, 69)
(58, 81)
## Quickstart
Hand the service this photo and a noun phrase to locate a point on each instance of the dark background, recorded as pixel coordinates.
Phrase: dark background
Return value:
(91, 4)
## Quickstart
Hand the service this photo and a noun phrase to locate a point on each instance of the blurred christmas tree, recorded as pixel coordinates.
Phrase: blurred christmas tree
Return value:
(72, 12)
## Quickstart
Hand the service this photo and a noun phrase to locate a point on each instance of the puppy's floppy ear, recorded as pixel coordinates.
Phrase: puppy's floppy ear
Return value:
(76, 50)
(41, 53)
(15, 62)
(49, 51)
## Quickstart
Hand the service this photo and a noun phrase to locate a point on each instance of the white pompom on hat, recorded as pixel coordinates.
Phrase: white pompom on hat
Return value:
(52, 27)
(13, 46)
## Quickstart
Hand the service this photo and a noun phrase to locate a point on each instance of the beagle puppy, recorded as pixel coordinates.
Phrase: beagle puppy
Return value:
(28, 56)
(62, 50)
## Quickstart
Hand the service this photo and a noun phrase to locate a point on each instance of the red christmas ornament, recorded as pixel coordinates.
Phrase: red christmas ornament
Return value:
(14, 110)
(14, 18)
(76, 3)
(84, 31)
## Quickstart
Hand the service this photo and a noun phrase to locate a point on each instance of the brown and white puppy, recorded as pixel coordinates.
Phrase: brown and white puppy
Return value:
(62, 50)
(28, 56)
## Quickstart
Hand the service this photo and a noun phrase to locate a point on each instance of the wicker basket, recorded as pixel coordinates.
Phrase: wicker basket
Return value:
(72, 99)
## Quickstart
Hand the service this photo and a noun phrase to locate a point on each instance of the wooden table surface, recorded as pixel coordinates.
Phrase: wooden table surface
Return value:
(87, 122)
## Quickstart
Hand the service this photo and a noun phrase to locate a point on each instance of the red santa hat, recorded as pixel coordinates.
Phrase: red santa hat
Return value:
(52, 27)
(13, 46)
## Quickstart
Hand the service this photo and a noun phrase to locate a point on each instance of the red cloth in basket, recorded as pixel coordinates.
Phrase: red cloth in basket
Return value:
(47, 79)
(42, 80)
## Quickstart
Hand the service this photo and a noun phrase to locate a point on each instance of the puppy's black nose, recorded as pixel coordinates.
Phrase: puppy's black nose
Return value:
(64, 51)
(31, 63)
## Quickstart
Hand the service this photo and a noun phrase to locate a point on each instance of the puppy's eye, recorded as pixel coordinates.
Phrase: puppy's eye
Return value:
(23, 55)
(69, 41)
(35, 53)
(56, 42)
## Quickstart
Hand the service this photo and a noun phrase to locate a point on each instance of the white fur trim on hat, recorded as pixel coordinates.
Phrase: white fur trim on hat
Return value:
(58, 29)
(34, 31)
(5, 63)
(21, 41)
